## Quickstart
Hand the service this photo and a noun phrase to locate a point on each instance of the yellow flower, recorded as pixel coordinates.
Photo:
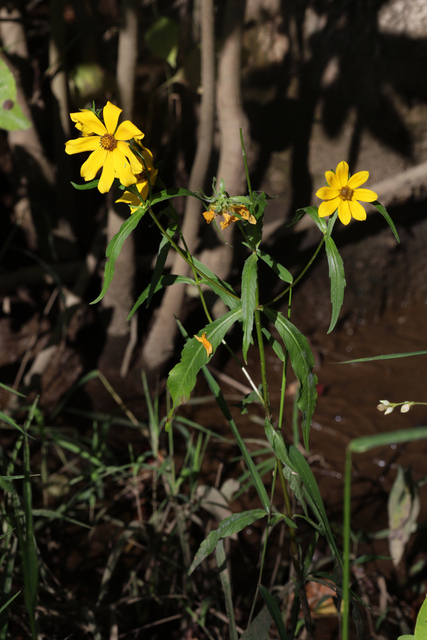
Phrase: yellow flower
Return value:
(228, 216)
(142, 180)
(343, 194)
(205, 342)
(110, 151)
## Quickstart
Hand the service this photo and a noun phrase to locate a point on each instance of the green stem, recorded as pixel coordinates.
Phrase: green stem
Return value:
(306, 268)
(296, 557)
(248, 180)
(346, 549)
(261, 350)
(186, 259)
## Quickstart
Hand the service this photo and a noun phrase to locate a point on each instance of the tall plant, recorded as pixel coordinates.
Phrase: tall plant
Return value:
(117, 151)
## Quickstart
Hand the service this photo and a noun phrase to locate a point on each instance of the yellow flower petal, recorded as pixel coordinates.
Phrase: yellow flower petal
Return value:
(332, 180)
(135, 163)
(327, 193)
(123, 168)
(357, 211)
(209, 216)
(107, 175)
(328, 207)
(207, 345)
(87, 143)
(126, 131)
(359, 178)
(89, 122)
(111, 115)
(93, 164)
(344, 212)
(365, 195)
(129, 198)
(342, 173)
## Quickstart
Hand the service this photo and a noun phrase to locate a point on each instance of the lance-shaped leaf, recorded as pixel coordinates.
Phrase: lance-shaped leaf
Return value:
(313, 213)
(182, 378)
(249, 284)
(278, 268)
(228, 526)
(115, 246)
(163, 281)
(162, 254)
(302, 362)
(224, 290)
(301, 466)
(383, 211)
(336, 274)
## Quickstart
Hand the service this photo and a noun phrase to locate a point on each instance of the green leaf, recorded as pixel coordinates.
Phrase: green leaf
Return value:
(222, 289)
(421, 625)
(302, 362)
(278, 269)
(163, 281)
(387, 356)
(301, 466)
(314, 215)
(87, 185)
(274, 610)
(277, 443)
(182, 378)
(336, 274)
(366, 443)
(162, 255)
(249, 286)
(259, 627)
(115, 246)
(256, 479)
(11, 116)
(173, 192)
(226, 588)
(162, 39)
(228, 526)
(383, 211)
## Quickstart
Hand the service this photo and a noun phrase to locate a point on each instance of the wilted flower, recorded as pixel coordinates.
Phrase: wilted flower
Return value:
(205, 342)
(227, 213)
(343, 194)
(109, 145)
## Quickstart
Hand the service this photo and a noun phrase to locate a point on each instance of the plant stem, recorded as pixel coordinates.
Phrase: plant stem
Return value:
(185, 257)
(306, 268)
(261, 349)
(346, 546)
(296, 557)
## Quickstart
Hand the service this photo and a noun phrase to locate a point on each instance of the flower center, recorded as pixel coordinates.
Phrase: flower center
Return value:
(346, 193)
(108, 142)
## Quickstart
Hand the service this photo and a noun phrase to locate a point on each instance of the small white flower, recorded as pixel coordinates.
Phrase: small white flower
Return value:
(388, 410)
(405, 407)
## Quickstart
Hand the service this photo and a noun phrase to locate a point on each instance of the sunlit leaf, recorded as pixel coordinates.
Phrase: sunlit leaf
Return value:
(115, 246)
(383, 211)
(11, 116)
(313, 213)
(182, 378)
(249, 284)
(337, 276)
(302, 362)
